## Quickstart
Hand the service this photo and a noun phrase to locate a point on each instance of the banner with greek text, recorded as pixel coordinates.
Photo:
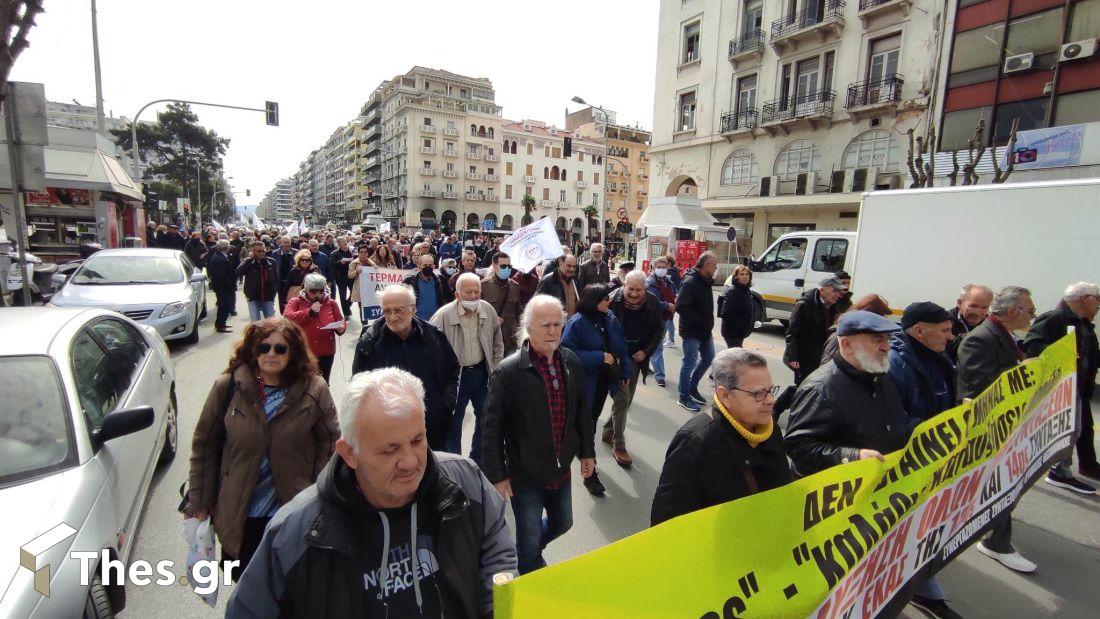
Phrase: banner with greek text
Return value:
(372, 280)
(846, 542)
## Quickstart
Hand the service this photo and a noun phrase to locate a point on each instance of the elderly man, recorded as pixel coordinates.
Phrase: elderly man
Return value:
(536, 421)
(811, 318)
(467, 265)
(284, 262)
(473, 329)
(1078, 310)
(430, 287)
(848, 410)
(223, 281)
(695, 305)
(404, 341)
(390, 529)
(595, 270)
(970, 310)
(730, 452)
(561, 284)
(641, 316)
(320, 258)
(260, 282)
(339, 261)
(661, 286)
(499, 290)
(987, 352)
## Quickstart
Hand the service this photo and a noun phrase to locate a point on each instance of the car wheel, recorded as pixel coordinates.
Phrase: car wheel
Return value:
(98, 605)
(193, 337)
(171, 430)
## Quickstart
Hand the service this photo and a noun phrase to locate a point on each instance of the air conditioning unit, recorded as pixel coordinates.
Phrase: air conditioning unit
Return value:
(1019, 63)
(1077, 50)
(862, 179)
(804, 183)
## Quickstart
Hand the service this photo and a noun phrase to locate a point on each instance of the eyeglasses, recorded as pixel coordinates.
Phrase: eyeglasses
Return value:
(280, 349)
(761, 395)
(396, 311)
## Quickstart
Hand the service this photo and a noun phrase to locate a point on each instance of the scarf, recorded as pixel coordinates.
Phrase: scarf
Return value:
(753, 439)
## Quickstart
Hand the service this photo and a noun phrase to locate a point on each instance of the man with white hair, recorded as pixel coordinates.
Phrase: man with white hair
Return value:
(390, 529)
(970, 310)
(223, 281)
(595, 270)
(536, 422)
(1078, 310)
(404, 341)
(472, 328)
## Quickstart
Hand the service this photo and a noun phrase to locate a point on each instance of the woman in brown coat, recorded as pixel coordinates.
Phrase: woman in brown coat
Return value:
(267, 429)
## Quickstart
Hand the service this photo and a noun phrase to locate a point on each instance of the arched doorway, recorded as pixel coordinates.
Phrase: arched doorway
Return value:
(506, 222)
(561, 224)
(447, 222)
(578, 228)
(527, 220)
(428, 220)
(490, 217)
(472, 221)
(682, 186)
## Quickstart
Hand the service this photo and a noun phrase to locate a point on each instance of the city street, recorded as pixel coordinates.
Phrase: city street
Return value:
(1056, 529)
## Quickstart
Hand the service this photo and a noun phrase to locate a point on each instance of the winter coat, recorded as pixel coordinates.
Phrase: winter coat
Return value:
(221, 272)
(321, 261)
(443, 292)
(593, 272)
(284, 264)
(552, 285)
(260, 280)
(1052, 326)
(986, 353)
(695, 305)
(737, 311)
(528, 283)
(505, 297)
(321, 341)
(196, 250)
(654, 285)
(339, 269)
(807, 331)
(583, 337)
(925, 380)
(230, 441)
(652, 327)
(321, 550)
(447, 320)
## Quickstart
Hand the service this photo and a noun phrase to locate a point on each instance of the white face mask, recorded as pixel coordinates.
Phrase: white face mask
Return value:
(660, 272)
(471, 305)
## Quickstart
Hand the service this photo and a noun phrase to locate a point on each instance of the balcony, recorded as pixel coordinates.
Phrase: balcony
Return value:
(872, 98)
(427, 128)
(811, 110)
(547, 203)
(582, 184)
(816, 24)
(748, 48)
(529, 179)
(450, 152)
(474, 196)
(490, 197)
(739, 123)
(643, 176)
(427, 193)
(451, 132)
(491, 157)
(450, 174)
(427, 150)
(427, 172)
(492, 178)
(450, 195)
(643, 193)
(473, 176)
(612, 188)
(474, 156)
(870, 9)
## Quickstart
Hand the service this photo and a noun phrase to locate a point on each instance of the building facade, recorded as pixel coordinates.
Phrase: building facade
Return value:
(779, 114)
(277, 205)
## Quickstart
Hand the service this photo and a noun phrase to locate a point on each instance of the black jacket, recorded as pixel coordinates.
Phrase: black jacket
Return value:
(983, 356)
(340, 270)
(320, 556)
(284, 264)
(807, 332)
(959, 329)
(223, 277)
(261, 283)
(1052, 326)
(426, 354)
(593, 272)
(552, 285)
(736, 311)
(516, 440)
(695, 305)
(652, 326)
(196, 250)
(170, 240)
(708, 463)
(839, 410)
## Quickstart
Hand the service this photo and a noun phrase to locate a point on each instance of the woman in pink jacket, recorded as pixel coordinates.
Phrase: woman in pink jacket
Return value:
(312, 310)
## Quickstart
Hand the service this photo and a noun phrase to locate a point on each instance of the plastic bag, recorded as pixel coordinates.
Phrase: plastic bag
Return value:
(199, 536)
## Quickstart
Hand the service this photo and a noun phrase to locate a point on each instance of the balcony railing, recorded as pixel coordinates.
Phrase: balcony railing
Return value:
(491, 157)
(427, 150)
(829, 11)
(747, 44)
(450, 195)
(490, 197)
(738, 121)
(427, 172)
(811, 104)
(450, 174)
(427, 193)
(450, 132)
(473, 155)
(870, 4)
(582, 184)
(885, 90)
(547, 203)
(474, 196)
(450, 152)
(528, 179)
(472, 176)
(492, 178)
(427, 128)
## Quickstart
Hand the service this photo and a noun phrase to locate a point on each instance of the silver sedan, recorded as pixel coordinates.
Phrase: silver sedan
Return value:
(161, 288)
(87, 411)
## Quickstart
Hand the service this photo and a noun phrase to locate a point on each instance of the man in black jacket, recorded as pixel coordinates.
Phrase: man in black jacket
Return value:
(970, 310)
(594, 271)
(260, 282)
(561, 284)
(535, 422)
(731, 451)
(809, 327)
(695, 305)
(223, 281)
(284, 262)
(404, 341)
(390, 529)
(338, 263)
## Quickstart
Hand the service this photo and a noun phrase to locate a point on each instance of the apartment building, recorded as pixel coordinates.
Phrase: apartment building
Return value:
(276, 206)
(371, 118)
(352, 175)
(779, 114)
(563, 178)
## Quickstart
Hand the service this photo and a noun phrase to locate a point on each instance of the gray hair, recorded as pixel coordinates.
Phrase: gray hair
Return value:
(1008, 298)
(635, 274)
(406, 291)
(314, 281)
(967, 289)
(223, 244)
(1079, 290)
(596, 245)
(727, 366)
(397, 392)
(538, 301)
(467, 277)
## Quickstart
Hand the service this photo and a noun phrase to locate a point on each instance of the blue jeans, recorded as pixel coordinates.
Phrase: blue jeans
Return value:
(930, 589)
(533, 530)
(697, 357)
(254, 310)
(657, 362)
(473, 386)
(670, 330)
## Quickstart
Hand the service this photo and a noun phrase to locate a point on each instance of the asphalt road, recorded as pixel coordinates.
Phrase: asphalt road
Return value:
(1058, 530)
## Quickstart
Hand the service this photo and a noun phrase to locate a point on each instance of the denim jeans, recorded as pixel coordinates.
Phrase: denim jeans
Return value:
(534, 530)
(657, 362)
(697, 357)
(473, 386)
(929, 588)
(254, 310)
(670, 330)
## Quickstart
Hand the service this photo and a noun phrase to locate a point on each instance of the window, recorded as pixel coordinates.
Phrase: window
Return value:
(450, 188)
(508, 168)
(546, 150)
(555, 174)
(450, 167)
(1032, 114)
(639, 205)
(977, 48)
(546, 173)
(958, 127)
(427, 121)
(563, 175)
(883, 61)
(746, 95)
(508, 192)
(595, 199)
(545, 193)
(491, 171)
(740, 167)
(754, 17)
(797, 157)
(1078, 108)
(427, 143)
(530, 170)
(786, 255)
(1040, 33)
(561, 196)
(596, 178)
(35, 435)
(687, 112)
(450, 124)
(95, 379)
(473, 169)
(580, 175)
(1085, 20)
(829, 255)
(580, 197)
(808, 75)
(530, 148)
(830, 61)
(873, 148)
(691, 43)
(427, 164)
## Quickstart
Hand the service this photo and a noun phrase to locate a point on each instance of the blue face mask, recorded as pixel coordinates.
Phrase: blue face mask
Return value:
(505, 272)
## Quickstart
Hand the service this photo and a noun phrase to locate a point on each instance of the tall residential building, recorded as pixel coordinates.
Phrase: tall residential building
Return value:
(563, 185)
(370, 117)
(277, 204)
(440, 149)
(352, 175)
(779, 114)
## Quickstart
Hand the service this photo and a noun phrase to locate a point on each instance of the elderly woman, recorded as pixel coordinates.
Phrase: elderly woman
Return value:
(736, 309)
(267, 429)
(303, 265)
(312, 310)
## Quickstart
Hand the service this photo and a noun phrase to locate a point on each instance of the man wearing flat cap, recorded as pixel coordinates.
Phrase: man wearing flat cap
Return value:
(848, 410)
(810, 321)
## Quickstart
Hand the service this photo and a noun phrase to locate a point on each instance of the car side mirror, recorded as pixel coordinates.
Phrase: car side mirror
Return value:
(58, 279)
(198, 277)
(124, 422)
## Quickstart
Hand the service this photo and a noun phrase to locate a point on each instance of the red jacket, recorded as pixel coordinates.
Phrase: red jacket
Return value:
(321, 341)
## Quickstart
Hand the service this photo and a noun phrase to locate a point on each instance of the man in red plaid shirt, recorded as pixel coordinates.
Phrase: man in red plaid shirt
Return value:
(535, 423)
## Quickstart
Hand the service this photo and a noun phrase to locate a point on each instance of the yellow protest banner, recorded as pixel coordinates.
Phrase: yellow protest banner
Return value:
(842, 543)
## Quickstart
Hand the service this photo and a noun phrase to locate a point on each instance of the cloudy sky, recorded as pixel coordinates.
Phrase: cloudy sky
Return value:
(321, 59)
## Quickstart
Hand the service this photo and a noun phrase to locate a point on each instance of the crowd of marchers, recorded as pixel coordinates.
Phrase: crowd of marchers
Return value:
(369, 509)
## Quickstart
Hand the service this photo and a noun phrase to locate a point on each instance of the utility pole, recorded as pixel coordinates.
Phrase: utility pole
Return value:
(100, 117)
(17, 193)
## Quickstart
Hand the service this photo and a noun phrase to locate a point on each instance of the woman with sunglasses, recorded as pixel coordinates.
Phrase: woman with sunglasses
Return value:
(267, 429)
(303, 265)
(312, 310)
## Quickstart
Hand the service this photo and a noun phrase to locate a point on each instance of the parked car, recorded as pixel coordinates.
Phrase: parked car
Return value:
(161, 288)
(89, 410)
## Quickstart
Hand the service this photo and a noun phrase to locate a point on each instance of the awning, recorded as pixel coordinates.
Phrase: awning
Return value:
(83, 168)
(664, 214)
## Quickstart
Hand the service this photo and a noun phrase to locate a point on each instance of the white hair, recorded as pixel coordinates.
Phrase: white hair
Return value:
(396, 392)
(1078, 290)
(404, 290)
(314, 281)
(465, 278)
(967, 289)
(223, 244)
(537, 302)
(1008, 298)
(635, 274)
(596, 245)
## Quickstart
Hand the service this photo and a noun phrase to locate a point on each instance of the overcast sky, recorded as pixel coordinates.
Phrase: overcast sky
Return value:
(322, 60)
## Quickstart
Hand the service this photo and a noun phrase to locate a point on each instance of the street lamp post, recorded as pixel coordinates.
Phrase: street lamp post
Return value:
(603, 205)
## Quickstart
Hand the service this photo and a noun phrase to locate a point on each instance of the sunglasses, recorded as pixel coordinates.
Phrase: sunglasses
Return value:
(280, 349)
(305, 260)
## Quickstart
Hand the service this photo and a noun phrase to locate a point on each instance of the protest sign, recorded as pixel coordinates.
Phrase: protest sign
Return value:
(532, 244)
(372, 280)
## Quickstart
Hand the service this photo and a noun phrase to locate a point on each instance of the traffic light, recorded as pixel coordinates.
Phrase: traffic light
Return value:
(248, 192)
(271, 108)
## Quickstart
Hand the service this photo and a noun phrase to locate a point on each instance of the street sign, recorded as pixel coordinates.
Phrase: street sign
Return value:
(622, 213)
(488, 224)
(731, 234)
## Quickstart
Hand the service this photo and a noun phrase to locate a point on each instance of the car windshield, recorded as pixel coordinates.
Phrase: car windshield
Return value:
(34, 420)
(114, 270)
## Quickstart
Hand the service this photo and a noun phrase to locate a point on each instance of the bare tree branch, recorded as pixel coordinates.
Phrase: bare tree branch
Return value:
(1000, 176)
(970, 174)
(16, 19)
(930, 167)
(954, 175)
(912, 168)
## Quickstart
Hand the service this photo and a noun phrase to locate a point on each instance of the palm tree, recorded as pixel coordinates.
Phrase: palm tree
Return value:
(528, 203)
(590, 212)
